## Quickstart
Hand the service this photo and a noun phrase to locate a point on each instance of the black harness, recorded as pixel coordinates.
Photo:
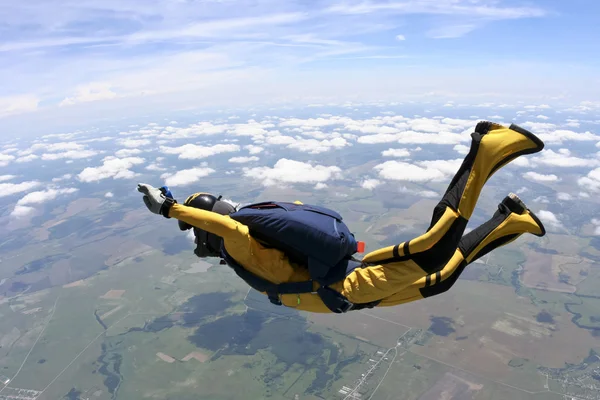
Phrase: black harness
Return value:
(335, 301)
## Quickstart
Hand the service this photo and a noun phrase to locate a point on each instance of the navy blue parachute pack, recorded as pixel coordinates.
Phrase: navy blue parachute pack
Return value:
(312, 236)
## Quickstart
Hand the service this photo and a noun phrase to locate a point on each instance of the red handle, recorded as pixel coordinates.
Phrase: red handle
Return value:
(360, 247)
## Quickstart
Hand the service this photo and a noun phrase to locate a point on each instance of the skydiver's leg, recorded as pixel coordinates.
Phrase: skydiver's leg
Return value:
(492, 146)
(512, 219)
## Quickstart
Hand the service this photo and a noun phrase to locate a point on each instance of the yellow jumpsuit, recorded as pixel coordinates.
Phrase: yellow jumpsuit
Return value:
(422, 267)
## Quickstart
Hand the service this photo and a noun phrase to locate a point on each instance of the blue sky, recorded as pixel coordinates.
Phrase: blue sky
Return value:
(76, 58)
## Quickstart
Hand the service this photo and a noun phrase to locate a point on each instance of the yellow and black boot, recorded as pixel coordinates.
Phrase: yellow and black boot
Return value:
(492, 146)
(511, 220)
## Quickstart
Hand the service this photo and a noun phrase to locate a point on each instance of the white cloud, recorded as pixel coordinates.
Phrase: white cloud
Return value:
(127, 152)
(311, 146)
(241, 160)
(62, 178)
(564, 196)
(193, 152)
(64, 136)
(4, 178)
(18, 104)
(312, 123)
(52, 147)
(280, 140)
(562, 135)
(400, 37)
(549, 218)
(291, 171)
(597, 223)
(71, 154)
(43, 196)
(22, 211)
(370, 184)
(100, 139)
(462, 149)
(448, 167)
(424, 171)
(378, 138)
(395, 153)
(5, 159)
(584, 195)
(573, 123)
(92, 91)
(422, 193)
(109, 195)
(542, 117)
(24, 208)
(8, 189)
(591, 182)
(534, 176)
(112, 167)
(132, 143)
(523, 189)
(252, 128)
(563, 158)
(186, 176)
(63, 146)
(253, 149)
(155, 167)
(537, 107)
(320, 186)
(585, 106)
(375, 127)
(25, 159)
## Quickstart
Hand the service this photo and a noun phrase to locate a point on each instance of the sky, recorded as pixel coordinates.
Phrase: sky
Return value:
(77, 59)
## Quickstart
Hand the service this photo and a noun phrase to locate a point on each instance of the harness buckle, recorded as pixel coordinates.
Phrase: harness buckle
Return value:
(274, 298)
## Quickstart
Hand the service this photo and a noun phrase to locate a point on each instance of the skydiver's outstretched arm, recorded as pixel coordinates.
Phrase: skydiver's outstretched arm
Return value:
(212, 222)
(492, 146)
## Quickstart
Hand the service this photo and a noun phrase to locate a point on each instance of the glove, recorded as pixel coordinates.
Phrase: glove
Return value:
(156, 200)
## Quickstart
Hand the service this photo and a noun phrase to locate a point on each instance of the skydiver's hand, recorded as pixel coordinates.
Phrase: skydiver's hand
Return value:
(154, 198)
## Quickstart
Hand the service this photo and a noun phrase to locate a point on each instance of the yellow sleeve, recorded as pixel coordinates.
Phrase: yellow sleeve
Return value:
(220, 225)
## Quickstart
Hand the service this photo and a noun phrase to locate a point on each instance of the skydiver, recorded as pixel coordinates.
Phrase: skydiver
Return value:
(425, 266)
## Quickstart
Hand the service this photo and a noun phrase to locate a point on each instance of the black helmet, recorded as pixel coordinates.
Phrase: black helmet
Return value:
(207, 244)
